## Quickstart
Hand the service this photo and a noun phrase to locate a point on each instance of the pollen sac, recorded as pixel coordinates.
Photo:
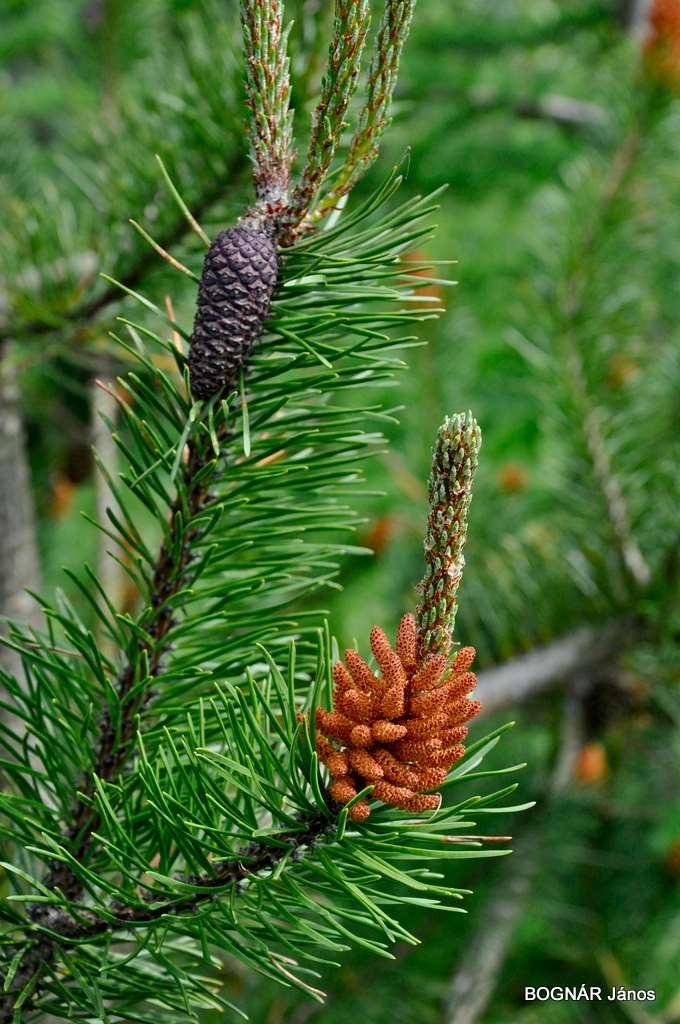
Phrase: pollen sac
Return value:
(234, 295)
(399, 731)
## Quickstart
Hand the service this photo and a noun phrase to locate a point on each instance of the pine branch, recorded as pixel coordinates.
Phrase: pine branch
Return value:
(619, 518)
(268, 95)
(314, 847)
(337, 88)
(86, 925)
(171, 573)
(203, 821)
(374, 119)
(113, 746)
(80, 316)
(254, 857)
(106, 175)
(590, 416)
(222, 605)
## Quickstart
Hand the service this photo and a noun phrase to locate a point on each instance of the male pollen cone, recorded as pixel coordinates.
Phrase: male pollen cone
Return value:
(399, 731)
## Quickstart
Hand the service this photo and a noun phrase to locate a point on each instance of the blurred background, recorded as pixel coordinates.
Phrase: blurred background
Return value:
(556, 126)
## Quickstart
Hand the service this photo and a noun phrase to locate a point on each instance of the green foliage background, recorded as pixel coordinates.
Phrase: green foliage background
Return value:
(91, 90)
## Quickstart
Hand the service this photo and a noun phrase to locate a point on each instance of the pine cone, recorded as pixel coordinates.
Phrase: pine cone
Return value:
(400, 731)
(237, 283)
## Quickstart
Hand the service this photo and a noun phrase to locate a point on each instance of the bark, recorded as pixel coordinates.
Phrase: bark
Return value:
(540, 670)
(635, 16)
(19, 562)
(105, 407)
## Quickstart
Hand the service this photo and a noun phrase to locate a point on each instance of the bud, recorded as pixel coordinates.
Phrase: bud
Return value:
(454, 463)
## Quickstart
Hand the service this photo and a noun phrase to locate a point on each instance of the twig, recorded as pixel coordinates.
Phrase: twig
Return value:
(19, 563)
(374, 119)
(534, 673)
(337, 88)
(565, 111)
(268, 95)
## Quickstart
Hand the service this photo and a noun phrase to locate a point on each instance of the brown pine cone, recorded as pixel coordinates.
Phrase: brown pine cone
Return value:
(237, 283)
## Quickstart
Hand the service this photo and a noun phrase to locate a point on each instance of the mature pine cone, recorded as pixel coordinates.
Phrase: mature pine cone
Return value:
(237, 283)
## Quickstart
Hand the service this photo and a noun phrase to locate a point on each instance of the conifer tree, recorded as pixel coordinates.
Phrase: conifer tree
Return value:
(166, 802)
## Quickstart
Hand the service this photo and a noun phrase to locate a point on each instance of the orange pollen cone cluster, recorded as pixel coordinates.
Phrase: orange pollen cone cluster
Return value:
(400, 730)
